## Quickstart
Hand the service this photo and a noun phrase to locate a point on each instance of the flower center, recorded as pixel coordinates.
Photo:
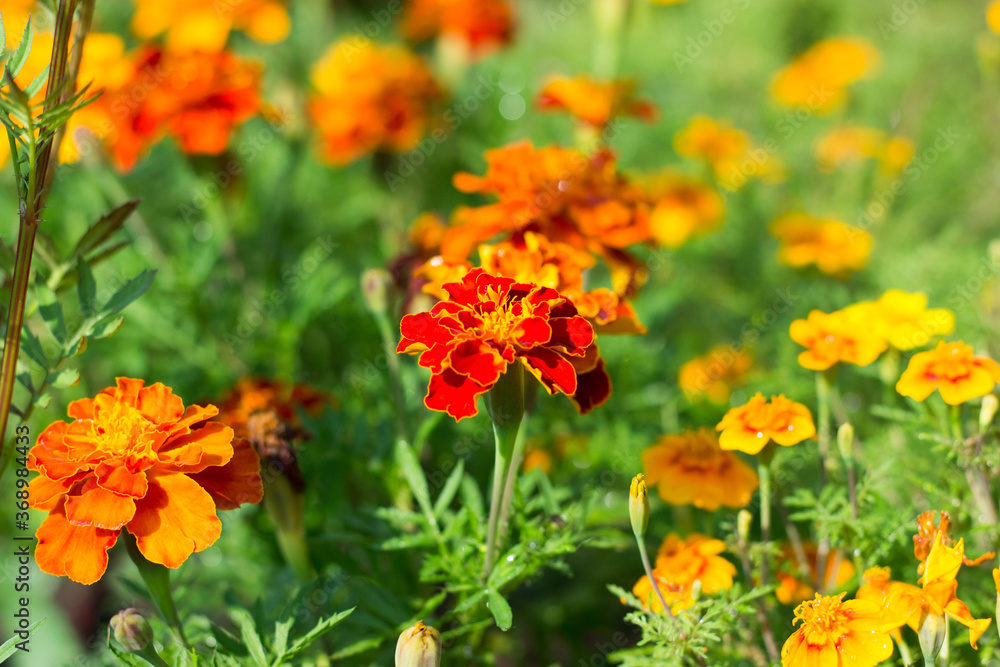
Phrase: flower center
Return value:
(822, 619)
(122, 430)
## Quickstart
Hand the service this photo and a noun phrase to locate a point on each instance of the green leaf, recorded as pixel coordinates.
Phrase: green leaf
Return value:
(3, 32)
(33, 348)
(64, 378)
(86, 288)
(37, 83)
(51, 311)
(20, 56)
(471, 498)
(42, 400)
(107, 328)
(105, 227)
(250, 637)
(359, 646)
(407, 461)
(321, 628)
(129, 292)
(8, 647)
(76, 347)
(500, 610)
(450, 489)
(281, 630)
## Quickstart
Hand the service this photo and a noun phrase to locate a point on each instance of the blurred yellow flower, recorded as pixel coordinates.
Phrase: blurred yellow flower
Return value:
(851, 144)
(993, 16)
(729, 152)
(682, 208)
(904, 319)
(714, 375)
(691, 468)
(818, 78)
(951, 368)
(841, 336)
(195, 25)
(834, 247)
(681, 562)
(749, 427)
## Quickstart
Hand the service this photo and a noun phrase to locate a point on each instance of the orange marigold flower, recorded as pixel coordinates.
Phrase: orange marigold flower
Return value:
(478, 26)
(370, 97)
(749, 427)
(928, 533)
(679, 563)
(536, 457)
(951, 368)
(904, 319)
(253, 394)
(818, 78)
(594, 102)
(993, 16)
(852, 144)
(691, 468)
(834, 247)
(836, 632)
(135, 459)
(716, 142)
(714, 375)
(795, 580)
(194, 25)
(841, 336)
(681, 208)
(490, 322)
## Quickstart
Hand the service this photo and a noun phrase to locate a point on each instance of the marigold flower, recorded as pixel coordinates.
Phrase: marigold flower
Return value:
(490, 322)
(193, 25)
(594, 102)
(681, 208)
(904, 319)
(257, 394)
(135, 459)
(370, 97)
(834, 247)
(793, 588)
(841, 336)
(818, 78)
(536, 457)
(749, 427)
(681, 562)
(715, 374)
(836, 632)
(853, 144)
(716, 142)
(951, 368)
(691, 468)
(927, 534)
(480, 26)
(993, 16)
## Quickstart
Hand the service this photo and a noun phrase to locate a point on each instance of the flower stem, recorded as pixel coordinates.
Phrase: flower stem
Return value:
(157, 578)
(979, 483)
(764, 473)
(285, 507)
(644, 555)
(505, 404)
(767, 633)
(823, 427)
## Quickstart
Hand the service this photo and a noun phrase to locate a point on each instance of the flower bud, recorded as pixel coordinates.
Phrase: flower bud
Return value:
(419, 646)
(638, 505)
(696, 590)
(743, 522)
(988, 411)
(131, 630)
(845, 441)
(932, 634)
(374, 285)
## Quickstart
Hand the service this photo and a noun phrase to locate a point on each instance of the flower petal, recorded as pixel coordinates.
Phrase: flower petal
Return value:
(99, 508)
(121, 480)
(593, 389)
(552, 370)
(236, 483)
(453, 393)
(67, 550)
(175, 519)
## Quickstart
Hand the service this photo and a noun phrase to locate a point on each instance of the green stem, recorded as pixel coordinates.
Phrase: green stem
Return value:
(979, 483)
(395, 377)
(610, 17)
(764, 473)
(150, 655)
(823, 426)
(157, 578)
(285, 507)
(904, 651)
(649, 573)
(505, 404)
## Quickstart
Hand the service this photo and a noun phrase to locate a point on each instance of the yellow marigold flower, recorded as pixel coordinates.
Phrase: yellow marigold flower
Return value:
(951, 368)
(852, 144)
(834, 633)
(681, 562)
(683, 208)
(834, 247)
(927, 534)
(594, 102)
(818, 78)
(792, 589)
(841, 336)
(993, 16)
(691, 468)
(895, 154)
(904, 319)
(714, 375)
(716, 142)
(195, 25)
(749, 427)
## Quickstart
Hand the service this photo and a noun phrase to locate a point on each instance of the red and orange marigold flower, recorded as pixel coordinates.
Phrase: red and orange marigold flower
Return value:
(478, 27)
(748, 428)
(679, 563)
(252, 394)
(489, 322)
(841, 336)
(134, 459)
(594, 102)
(951, 368)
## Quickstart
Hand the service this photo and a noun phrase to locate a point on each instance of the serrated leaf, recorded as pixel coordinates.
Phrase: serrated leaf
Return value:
(51, 311)
(449, 490)
(64, 378)
(20, 55)
(37, 83)
(86, 288)
(101, 230)
(33, 348)
(8, 648)
(107, 328)
(78, 347)
(414, 474)
(472, 498)
(500, 610)
(281, 630)
(251, 640)
(17, 100)
(3, 31)
(25, 380)
(42, 400)
(129, 292)
(321, 628)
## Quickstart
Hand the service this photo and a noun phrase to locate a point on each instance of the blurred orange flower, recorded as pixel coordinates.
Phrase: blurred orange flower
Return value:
(194, 25)
(679, 563)
(490, 322)
(594, 102)
(749, 427)
(681, 208)
(818, 78)
(841, 336)
(728, 151)
(478, 26)
(715, 374)
(851, 144)
(834, 247)
(253, 394)
(792, 589)
(536, 457)
(691, 469)
(370, 97)
(951, 368)
(904, 319)
(135, 459)
(834, 632)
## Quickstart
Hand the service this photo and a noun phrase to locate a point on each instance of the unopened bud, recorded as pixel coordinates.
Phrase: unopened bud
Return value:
(696, 590)
(638, 505)
(845, 441)
(131, 630)
(419, 646)
(932, 634)
(374, 285)
(743, 522)
(988, 411)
